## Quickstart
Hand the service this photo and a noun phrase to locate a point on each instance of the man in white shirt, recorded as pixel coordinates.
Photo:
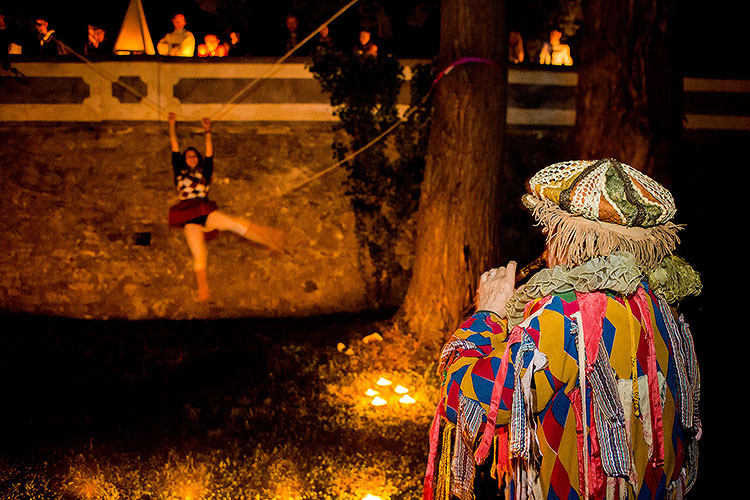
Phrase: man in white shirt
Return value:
(180, 42)
(554, 52)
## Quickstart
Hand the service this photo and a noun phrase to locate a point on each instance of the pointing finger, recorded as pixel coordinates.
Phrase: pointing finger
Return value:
(510, 270)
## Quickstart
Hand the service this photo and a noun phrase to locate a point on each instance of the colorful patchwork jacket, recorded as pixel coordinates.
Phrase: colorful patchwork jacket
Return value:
(592, 395)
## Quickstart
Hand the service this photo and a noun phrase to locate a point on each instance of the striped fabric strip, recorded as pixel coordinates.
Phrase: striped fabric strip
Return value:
(452, 350)
(443, 491)
(691, 473)
(684, 389)
(470, 418)
(609, 417)
(518, 423)
(692, 369)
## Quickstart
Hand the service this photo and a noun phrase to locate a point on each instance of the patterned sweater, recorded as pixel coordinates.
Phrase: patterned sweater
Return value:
(192, 183)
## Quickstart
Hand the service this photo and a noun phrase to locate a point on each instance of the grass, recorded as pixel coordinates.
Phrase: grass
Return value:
(233, 410)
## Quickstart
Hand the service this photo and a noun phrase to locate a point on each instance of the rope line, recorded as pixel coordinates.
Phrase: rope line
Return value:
(110, 78)
(387, 131)
(276, 66)
(356, 153)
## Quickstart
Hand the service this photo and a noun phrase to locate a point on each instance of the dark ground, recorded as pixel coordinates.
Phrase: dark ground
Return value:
(134, 403)
(66, 381)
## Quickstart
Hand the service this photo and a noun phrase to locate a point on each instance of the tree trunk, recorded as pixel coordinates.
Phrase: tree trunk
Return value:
(457, 222)
(629, 103)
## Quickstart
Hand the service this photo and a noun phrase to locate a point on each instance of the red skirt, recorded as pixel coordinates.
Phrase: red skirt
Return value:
(192, 211)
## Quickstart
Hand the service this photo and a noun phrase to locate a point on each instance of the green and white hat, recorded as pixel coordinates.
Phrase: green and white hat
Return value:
(593, 208)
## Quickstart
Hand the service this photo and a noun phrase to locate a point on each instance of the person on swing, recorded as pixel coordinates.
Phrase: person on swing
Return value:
(198, 216)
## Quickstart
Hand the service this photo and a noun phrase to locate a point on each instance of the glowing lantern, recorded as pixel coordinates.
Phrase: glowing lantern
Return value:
(378, 401)
(407, 400)
(134, 37)
(383, 381)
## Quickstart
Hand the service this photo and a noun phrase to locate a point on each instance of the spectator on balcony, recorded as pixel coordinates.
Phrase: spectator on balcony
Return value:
(515, 48)
(364, 46)
(374, 19)
(95, 40)
(48, 45)
(180, 42)
(554, 52)
(10, 38)
(4, 35)
(292, 39)
(233, 43)
(211, 47)
(324, 38)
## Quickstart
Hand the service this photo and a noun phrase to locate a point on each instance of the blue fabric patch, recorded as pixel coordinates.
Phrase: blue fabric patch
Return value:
(569, 347)
(482, 388)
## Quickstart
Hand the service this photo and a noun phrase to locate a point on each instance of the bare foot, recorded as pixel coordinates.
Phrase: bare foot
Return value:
(202, 282)
(203, 295)
(274, 239)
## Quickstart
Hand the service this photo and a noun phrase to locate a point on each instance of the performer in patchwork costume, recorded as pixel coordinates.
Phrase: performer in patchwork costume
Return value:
(583, 382)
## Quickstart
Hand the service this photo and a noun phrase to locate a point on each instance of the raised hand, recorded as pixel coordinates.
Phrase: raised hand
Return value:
(496, 287)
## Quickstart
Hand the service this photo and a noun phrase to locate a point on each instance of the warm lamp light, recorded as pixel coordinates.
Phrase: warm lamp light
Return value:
(407, 400)
(400, 389)
(371, 392)
(378, 401)
(383, 381)
(372, 497)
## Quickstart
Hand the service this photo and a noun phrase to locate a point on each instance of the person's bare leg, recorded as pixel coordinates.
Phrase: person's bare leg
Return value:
(265, 235)
(197, 243)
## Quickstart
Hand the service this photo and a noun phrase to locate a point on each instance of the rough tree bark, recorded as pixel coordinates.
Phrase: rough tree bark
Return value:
(629, 103)
(457, 222)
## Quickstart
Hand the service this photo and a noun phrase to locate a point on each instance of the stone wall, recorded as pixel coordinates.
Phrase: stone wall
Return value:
(78, 194)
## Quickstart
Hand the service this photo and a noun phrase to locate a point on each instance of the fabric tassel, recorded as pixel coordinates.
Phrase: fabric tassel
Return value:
(497, 391)
(634, 361)
(429, 475)
(470, 416)
(654, 393)
(503, 452)
(493, 465)
(444, 466)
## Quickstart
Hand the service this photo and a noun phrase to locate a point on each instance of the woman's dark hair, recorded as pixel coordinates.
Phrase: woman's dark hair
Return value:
(198, 153)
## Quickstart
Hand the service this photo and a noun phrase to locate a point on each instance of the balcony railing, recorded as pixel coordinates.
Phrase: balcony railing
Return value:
(142, 89)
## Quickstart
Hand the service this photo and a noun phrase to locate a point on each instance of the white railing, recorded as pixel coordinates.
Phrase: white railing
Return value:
(41, 91)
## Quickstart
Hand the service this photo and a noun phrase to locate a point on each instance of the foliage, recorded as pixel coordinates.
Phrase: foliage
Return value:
(382, 184)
